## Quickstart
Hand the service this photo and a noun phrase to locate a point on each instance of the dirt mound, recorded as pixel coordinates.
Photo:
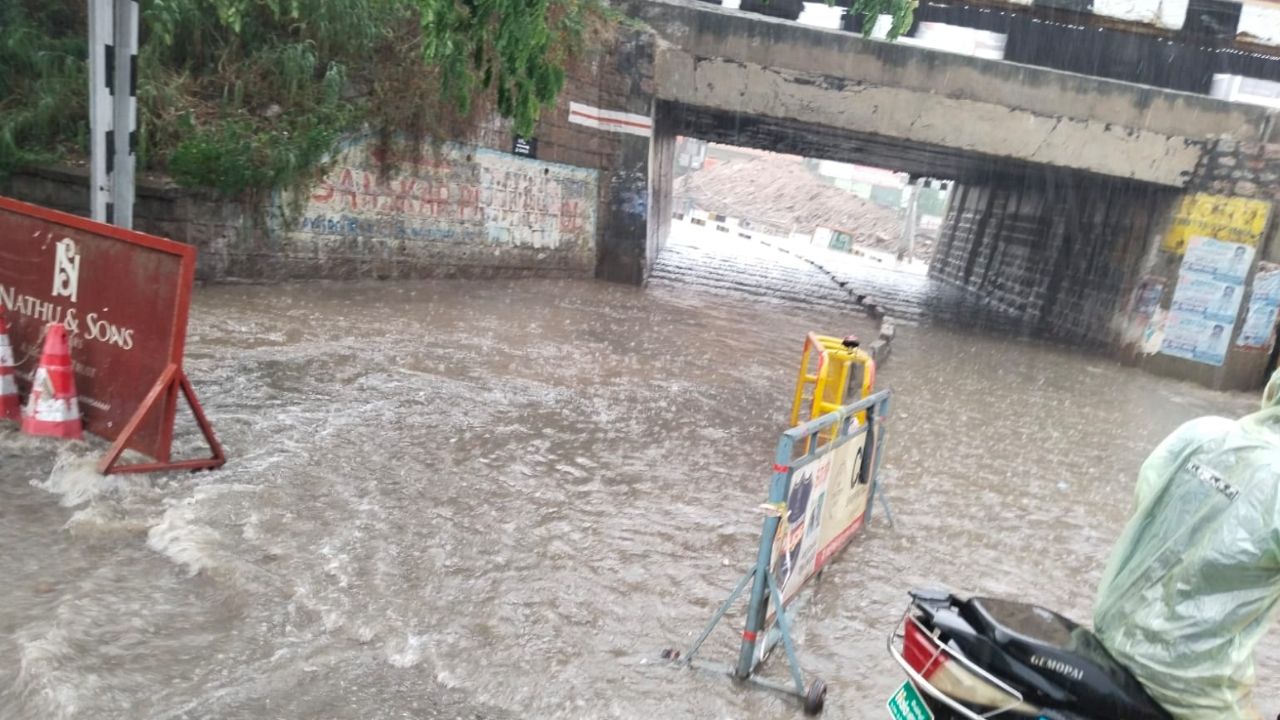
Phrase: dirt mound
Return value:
(779, 191)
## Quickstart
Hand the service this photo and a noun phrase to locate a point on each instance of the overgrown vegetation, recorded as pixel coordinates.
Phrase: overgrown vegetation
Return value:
(43, 86)
(249, 95)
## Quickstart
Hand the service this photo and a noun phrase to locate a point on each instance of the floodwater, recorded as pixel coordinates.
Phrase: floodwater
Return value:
(503, 499)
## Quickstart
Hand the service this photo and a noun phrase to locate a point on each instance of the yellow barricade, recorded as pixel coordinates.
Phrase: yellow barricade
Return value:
(833, 372)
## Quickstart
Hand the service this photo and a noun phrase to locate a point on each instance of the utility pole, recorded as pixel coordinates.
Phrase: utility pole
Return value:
(113, 109)
(906, 244)
(101, 77)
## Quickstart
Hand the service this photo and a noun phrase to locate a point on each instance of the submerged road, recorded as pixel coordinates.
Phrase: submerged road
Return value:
(500, 500)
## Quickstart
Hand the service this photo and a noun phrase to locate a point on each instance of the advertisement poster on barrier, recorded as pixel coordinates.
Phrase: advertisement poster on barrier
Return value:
(1231, 219)
(1206, 300)
(825, 507)
(796, 548)
(846, 503)
(1260, 320)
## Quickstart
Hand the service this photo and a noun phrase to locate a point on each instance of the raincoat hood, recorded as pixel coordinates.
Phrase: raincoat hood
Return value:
(1194, 581)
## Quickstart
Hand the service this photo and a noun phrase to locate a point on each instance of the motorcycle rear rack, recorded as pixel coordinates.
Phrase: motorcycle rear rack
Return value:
(921, 683)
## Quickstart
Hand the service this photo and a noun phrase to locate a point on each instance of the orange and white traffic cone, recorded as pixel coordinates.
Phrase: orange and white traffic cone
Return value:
(10, 403)
(53, 408)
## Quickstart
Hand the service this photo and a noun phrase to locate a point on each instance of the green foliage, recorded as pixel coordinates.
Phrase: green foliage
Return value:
(902, 12)
(264, 84)
(514, 47)
(250, 95)
(234, 155)
(43, 86)
(203, 35)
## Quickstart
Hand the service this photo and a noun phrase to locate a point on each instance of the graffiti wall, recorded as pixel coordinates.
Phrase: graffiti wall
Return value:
(455, 206)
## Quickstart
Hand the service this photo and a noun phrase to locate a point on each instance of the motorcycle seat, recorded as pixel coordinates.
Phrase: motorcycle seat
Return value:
(1030, 624)
(1066, 656)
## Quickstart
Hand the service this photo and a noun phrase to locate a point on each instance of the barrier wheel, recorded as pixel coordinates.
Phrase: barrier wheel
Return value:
(815, 698)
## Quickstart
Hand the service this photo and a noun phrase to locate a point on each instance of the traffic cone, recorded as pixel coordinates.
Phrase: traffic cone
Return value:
(53, 408)
(10, 403)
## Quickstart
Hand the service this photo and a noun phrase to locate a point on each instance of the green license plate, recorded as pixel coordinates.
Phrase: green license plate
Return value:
(906, 704)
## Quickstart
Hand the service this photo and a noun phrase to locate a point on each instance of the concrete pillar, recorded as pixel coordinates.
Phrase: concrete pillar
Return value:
(623, 244)
(623, 239)
(662, 181)
(1233, 197)
(907, 242)
(1050, 254)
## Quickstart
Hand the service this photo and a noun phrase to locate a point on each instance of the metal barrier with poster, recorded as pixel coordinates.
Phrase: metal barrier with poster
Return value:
(824, 482)
(124, 297)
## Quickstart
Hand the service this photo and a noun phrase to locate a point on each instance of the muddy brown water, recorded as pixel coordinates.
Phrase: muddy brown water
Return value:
(501, 500)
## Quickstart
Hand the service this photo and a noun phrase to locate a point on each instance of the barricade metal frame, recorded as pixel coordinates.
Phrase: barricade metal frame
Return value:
(826, 389)
(797, 446)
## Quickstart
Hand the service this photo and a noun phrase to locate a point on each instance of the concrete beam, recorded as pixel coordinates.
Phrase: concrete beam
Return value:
(726, 60)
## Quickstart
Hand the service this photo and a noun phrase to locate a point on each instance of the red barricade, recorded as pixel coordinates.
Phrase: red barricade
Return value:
(123, 297)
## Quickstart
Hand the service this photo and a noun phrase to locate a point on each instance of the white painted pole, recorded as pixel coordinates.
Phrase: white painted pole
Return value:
(125, 112)
(101, 62)
(907, 240)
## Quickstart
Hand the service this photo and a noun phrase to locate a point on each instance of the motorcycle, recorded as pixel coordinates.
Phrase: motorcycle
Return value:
(982, 658)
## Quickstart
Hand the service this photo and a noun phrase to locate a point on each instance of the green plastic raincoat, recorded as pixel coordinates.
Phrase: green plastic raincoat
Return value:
(1194, 582)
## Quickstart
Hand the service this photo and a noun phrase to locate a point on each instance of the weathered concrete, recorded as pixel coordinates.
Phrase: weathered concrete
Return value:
(623, 244)
(729, 61)
(1056, 255)
(1068, 182)
(462, 210)
(662, 165)
(882, 346)
(1065, 255)
(456, 206)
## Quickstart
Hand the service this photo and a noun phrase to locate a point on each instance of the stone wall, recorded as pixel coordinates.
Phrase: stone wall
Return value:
(1055, 254)
(1064, 254)
(206, 220)
(457, 209)
(1229, 172)
(465, 208)
(618, 79)
(1240, 169)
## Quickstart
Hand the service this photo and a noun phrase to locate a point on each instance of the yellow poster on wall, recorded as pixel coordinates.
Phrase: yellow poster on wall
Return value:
(1231, 219)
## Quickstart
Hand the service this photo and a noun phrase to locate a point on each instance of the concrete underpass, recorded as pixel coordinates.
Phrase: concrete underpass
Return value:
(502, 426)
(1064, 182)
(1049, 248)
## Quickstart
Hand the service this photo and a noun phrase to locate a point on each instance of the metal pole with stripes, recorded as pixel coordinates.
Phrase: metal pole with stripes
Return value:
(113, 109)
(102, 62)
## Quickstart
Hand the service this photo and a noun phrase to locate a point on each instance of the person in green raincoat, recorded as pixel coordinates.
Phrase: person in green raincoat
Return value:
(1194, 582)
